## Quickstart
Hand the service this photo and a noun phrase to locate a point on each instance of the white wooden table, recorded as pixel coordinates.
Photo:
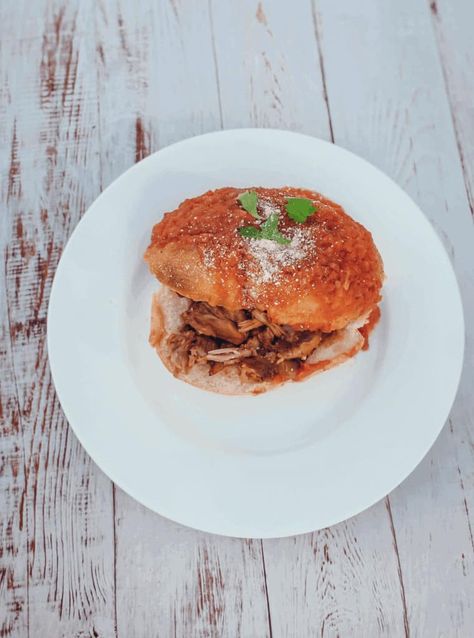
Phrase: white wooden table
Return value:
(87, 88)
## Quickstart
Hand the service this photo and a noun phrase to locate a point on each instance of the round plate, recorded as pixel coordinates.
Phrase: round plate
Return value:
(304, 456)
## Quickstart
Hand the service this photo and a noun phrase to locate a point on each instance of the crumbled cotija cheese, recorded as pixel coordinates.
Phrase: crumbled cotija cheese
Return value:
(271, 258)
(267, 208)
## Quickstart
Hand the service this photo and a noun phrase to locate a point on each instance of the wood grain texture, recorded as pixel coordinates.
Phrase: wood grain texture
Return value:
(399, 118)
(57, 523)
(333, 580)
(266, 78)
(171, 581)
(453, 22)
(340, 581)
(87, 89)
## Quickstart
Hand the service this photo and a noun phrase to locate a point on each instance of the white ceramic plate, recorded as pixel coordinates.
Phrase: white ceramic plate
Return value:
(299, 458)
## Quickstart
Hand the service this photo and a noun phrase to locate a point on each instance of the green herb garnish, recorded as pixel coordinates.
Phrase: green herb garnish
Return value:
(250, 232)
(299, 209)
(249, 201)
(268, 230)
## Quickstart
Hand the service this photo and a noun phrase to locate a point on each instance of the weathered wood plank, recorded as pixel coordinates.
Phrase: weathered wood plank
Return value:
(58, 525)
(171, 581)
(174, 581)
(390, 106)
(345, 579)
(342, 581)
(453, 22)
(266, 78)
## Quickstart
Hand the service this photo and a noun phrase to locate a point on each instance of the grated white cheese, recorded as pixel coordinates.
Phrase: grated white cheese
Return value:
(264, 260)
(270, 257)
(267, 208)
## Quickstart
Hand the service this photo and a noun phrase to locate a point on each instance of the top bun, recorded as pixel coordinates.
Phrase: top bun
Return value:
(327, 277)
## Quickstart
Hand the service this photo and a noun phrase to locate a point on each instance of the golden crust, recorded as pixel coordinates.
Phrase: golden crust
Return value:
(331, 275)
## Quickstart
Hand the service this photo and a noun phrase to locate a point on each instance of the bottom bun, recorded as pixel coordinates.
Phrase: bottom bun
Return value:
(167, 308)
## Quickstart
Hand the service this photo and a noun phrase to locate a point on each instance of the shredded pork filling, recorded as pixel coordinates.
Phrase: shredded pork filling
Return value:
(246, 339)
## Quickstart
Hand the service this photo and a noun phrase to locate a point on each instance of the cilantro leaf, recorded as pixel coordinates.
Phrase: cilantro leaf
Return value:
(268, 230)
(299, 209)
(270, 225)
(249, 201)
(250, 232)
